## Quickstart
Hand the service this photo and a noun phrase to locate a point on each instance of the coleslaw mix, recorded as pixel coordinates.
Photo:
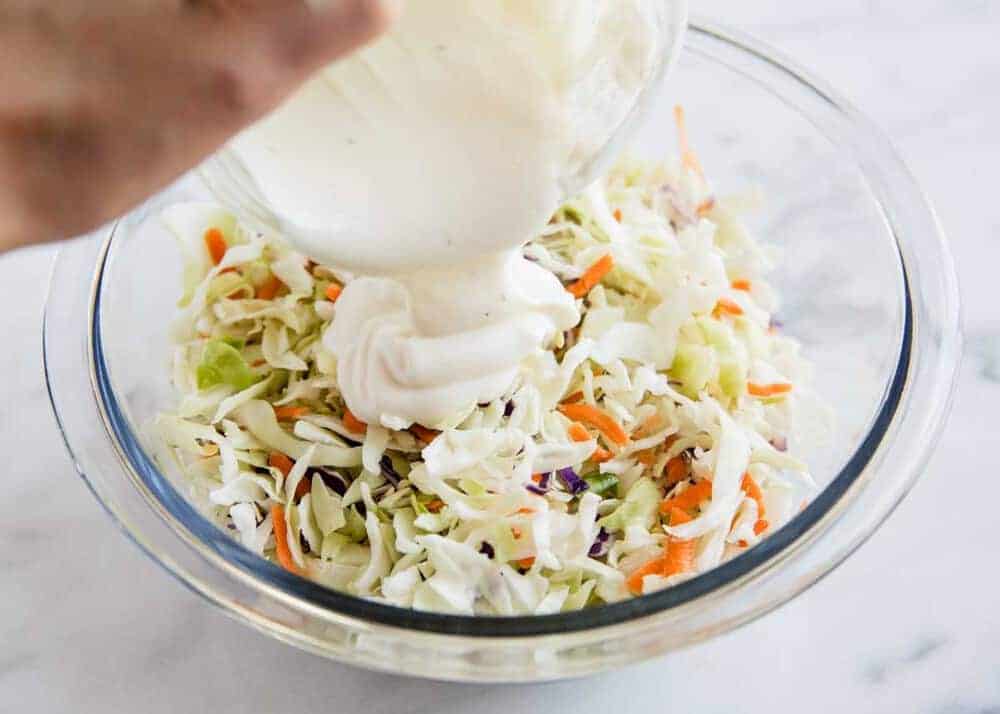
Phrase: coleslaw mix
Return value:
(644, 446)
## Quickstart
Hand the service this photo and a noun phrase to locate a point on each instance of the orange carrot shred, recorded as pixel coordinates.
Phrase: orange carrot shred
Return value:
(646, 457)
(269, 289)
(304, 486)
(649, 426)
(634, 581)
(525, 563)
(751, 489)
(435, 506)
(537, 478)
(618, 215)
(679, 516)
(258, 363)
(742, 543)
(688, 157)
(516, 532)
(769, 390)
(424, 434)
(676, 470)
(353, 424)
(281, 462)
(281, 540)
(679, 555)
(215, 242)
(705, 207)
(760, 526)
(573, 398)
(593, 275)
(524, 512)
(691, 498)
(289, 413)
(727, 307)
(597, 419)
(742, 285)
(578, 432)
(601, 455)
(333, 292)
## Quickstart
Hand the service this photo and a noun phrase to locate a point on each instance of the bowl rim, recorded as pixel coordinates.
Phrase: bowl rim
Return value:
(217, 546)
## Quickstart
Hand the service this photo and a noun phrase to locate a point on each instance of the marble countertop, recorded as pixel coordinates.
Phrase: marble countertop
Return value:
(908, 624)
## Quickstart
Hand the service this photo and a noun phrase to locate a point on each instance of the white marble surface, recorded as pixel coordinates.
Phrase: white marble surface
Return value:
(908, 624)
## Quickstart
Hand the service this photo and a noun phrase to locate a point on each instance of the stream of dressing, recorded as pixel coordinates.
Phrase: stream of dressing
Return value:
(425, 162)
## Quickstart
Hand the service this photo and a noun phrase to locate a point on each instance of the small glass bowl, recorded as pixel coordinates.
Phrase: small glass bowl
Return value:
(869, 287)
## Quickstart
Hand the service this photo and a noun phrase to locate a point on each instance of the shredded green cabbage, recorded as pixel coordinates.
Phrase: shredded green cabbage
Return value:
(509, 511)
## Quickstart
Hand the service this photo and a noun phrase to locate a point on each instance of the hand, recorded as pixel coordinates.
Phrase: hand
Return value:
(106, 101)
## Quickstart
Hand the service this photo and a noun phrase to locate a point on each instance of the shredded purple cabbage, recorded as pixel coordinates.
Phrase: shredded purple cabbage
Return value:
(542, 487)
(333, 480)
(389, 471)
(574, 483)
(601, 544)
(508, 408)
(487, 550)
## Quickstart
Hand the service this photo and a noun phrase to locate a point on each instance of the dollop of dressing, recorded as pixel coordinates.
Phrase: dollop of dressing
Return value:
(426, 161)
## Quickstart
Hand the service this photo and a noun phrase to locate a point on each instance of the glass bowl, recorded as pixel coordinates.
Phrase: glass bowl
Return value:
(869, 288)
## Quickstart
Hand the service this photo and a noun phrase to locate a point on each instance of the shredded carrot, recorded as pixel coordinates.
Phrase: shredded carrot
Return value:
(634, 581)
(424, 434)
(760, 526)
(525, 563)
(435, 506)
(742, 285)
(258, 363)
(537, 478)
(679, 516)
(269, 289)
(333, 292)
(751, 489)
(353, 424)
(597, 419)
(693, 496)
(649, 426)
(279, 461)
(593, 275)
(705, 207)
(516, 532)
(769, 390)
(524, 512)
(688, 157)
(676, 470)
(290, 413)
(215, 242)
(601, 455)
(647, 457)
(573, 398)
(304, 486)
(618, 215)
(742, 543)
(578, 432)
(727, 307)
(281, 539)
(679, 556)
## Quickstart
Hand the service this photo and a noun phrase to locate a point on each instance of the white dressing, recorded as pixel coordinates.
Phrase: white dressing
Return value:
(428, 160)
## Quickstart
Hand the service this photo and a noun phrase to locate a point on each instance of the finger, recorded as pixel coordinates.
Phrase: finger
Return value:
(154, 93)
(323, 30)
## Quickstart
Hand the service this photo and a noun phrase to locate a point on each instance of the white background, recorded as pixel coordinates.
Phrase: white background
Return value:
(909, 624)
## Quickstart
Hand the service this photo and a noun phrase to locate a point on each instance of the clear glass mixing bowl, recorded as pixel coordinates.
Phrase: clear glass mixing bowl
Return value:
(869, 288)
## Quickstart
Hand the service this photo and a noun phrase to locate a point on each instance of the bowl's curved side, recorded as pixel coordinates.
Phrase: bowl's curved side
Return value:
(493, 649)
